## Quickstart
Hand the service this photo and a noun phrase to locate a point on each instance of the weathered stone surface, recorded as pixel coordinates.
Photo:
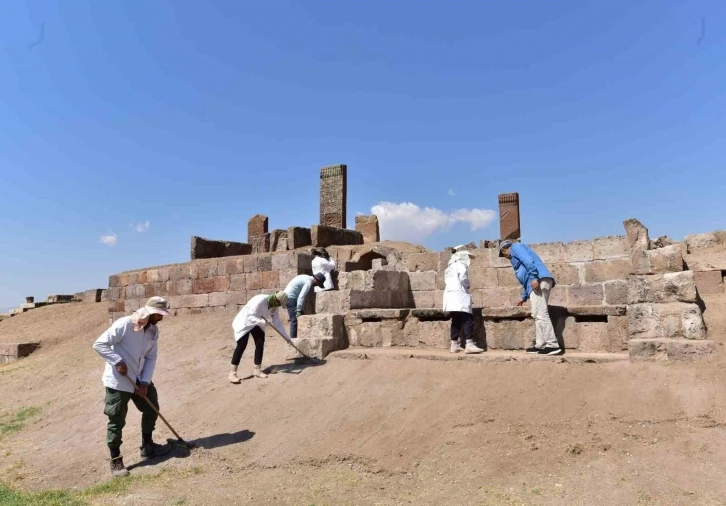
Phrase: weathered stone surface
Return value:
(278, 240)
(282, 261)
(708, 260)
(618, 333)
(426, 333)
(218, 299)
(389, 280)
(423, 299)
(619, 310)
(298, 237)
(550, 252)
(566, 332)
(135, 291)
(709, 282)
(179, 287)
(509, 223)
(207, 248)
(506, 277)
(591, 294)
(333, 197)
(668, 349)
(177, 272)
(668, 259)
(422, 281)
(198, 300)
(616, 292)
(708, 240)
(579, 251)
(509, 334)
(10, 352)
(55, 299)
(322, 326)
(495, 297)
(264, 263)
(157, 275)
(322, 236)
(312, 347)
(368, 226)
(271, 280)
(481, 275)
(593, 336)
(565, 273)
(673, 320)
(378, 264)
(260, 243)
(207, 269)
(333, 301)
(209, 285)
(250, 264)
(238, 282)
(257, 226)
(669, 287)
(637, 235)
(375, 327)
(662, 242)
(615, 246)
(421, 261)
(606, 270)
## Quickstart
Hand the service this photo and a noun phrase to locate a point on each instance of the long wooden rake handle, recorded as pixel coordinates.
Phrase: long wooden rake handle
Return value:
(151, 404)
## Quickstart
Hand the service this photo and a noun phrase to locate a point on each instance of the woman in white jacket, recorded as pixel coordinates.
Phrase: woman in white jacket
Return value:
(323, 264)
(251, 320)
(457, 300)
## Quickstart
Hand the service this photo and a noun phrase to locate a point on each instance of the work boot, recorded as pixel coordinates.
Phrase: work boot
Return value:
(118, 469)
(152, 449)
(456, 347)
(471, 347)
(258, 372)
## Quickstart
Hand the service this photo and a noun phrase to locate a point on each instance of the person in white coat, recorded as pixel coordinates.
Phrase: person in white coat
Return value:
(129, 347)
(323, 264)
(457, 301)
(251, 320)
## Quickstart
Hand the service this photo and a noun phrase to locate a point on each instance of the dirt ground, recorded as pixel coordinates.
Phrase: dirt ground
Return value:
(364, 432)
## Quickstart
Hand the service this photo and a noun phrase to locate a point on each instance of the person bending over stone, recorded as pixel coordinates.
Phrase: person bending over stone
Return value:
(323, 264)
(297, 289)
(536, 281)
(129, 347)
(457, 301)
(251, 320)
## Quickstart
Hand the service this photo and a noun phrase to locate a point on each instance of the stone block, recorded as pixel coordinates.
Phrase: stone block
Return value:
(672, 320)
(579, 251)
(606, 270)
(177, 272)
(298, 237)
(209, 285)
(286, 276)
(322, 326)
(506, 277)
(271, 280)
(649, 350)
(302, 261)
(332, 301)
(281, 261)
(637, 235)
(207, 269)
(257, 226)
(157, 275)
(423, 299)
(669, 287)
(434, 333)
(565, 273)
(254, 281)
(605, 248)
(323, 236)
(238, 298)
(593, 336)
(156, 289)
(668, 259)
(375, 334)
(495, 297)
(368, 227)
(509, 222)
(198, 300)
(709, 282)
(355, 280)
(708, 240)
(388, 280)
(509, 334)
(208, 248)
(312, 347)
(238, 282)
(421, 262)
(616, 292)
(116, 306)
(135, 291)
(260, 244)
(264, 263)
(137, 278)
(114, 281)
(617, 333)
(231, 266)
(558, 296)
(218, 299)
(10, 352)
(378, 263)
(278, 240)
(116, 293)
(551, 252)
(131, 305)
(589, 294)
(566, 332)
(179, 287)
(333, 196)
(422, 281)
(250, 264)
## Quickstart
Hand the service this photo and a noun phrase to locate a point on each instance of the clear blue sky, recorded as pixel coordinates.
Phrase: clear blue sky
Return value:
(194, 116)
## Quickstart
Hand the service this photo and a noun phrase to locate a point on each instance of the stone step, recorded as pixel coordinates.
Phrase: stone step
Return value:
(318, 335)
(492, 356)
(10, 352)
(642, 350)
(313, 347)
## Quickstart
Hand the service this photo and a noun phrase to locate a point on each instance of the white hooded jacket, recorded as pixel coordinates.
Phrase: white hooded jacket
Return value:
(456, 278)
(136, 348)
(325, 267)
(254, 314)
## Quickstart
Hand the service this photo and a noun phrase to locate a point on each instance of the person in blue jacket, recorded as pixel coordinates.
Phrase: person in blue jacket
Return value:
(536, 281)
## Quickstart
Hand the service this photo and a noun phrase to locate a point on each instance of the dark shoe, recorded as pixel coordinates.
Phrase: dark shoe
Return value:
(533, 350)
(550, 351)
(152, 449)
(118, 469)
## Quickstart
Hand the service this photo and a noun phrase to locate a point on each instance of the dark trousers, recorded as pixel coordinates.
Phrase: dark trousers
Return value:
(461, 321)
(116, 408)
(292, 313)
(259, 336)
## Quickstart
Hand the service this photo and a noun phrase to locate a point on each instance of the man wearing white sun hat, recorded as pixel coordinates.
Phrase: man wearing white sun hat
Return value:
(129, 348)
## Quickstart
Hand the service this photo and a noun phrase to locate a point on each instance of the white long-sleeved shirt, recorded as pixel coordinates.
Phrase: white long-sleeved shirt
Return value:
(254, 314)
(297, 289)
(456, 292)
(324, 266)
(137, 349)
